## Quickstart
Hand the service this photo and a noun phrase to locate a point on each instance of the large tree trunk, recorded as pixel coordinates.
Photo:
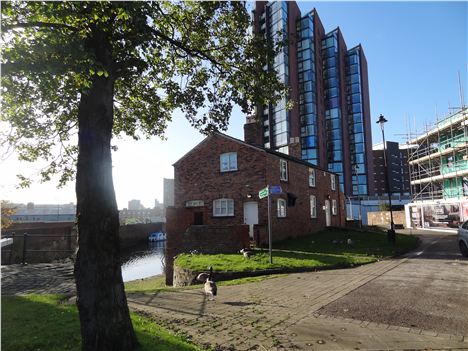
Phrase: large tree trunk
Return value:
(102, 304)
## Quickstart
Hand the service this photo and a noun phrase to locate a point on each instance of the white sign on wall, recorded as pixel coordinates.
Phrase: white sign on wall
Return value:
(194, 203)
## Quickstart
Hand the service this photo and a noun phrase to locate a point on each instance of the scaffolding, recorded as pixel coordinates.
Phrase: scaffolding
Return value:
(438, 159)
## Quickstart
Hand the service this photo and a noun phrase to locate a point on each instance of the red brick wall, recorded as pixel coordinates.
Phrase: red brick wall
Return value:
(198, 177)
(182, 236)
(253, 133)
(298, 221)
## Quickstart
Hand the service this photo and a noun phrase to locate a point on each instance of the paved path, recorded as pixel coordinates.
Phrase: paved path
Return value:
(284, 313)
(416, 302)
(41, 278)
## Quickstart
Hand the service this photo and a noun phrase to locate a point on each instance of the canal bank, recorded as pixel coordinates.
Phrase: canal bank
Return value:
(138, 262)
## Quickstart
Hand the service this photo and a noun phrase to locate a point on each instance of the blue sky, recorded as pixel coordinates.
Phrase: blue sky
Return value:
(414, 52)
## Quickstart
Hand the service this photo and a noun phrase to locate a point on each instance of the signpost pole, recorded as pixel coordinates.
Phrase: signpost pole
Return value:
(269, 226)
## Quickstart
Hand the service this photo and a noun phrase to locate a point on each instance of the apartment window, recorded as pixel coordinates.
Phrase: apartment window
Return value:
(311, 177)
(284, 170)
(281, 208)
(223, 207)
(313, 206)
(333, 181)
(228, 162)
(334, 208)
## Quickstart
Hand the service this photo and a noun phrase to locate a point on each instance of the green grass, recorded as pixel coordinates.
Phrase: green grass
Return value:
(147, 284)
(158, 283)
(46, 322)
(316, 250)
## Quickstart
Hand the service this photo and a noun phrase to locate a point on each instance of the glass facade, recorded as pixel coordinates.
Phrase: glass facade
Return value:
(333, 113)
(354, 104)
(276, 135)
(307, 88)
(329, 106)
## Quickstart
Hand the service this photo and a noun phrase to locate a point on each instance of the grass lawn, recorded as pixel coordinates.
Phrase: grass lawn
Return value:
(158, 283)
(327, 248)
(46, 322)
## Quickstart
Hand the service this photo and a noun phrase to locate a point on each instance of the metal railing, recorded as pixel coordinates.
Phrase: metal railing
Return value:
(27, 237)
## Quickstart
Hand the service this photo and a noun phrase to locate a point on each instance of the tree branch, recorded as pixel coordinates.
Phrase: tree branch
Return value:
(197, 53)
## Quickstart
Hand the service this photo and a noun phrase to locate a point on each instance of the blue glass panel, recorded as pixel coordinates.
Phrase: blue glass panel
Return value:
(356, 108)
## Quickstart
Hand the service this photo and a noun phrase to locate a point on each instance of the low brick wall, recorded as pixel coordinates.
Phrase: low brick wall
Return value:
(182, 237)
(382, 218)
(46, 242)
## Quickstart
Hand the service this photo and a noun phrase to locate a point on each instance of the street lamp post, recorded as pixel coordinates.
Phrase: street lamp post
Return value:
(391, 232)
(356, 167)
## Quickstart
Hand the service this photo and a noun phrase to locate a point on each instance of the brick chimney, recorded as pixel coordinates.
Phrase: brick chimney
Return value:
(253, 131)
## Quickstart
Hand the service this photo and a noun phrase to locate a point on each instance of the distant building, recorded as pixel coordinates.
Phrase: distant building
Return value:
(168, 198)
(134, 205)
(157, 204)
(145, 215)
(398, 172)
(31, 212)
(438, 166)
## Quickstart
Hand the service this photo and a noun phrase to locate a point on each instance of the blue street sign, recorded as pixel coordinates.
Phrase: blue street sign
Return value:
(275, 189)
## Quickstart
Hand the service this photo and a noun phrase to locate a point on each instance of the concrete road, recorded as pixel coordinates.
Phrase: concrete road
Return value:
(427, 290)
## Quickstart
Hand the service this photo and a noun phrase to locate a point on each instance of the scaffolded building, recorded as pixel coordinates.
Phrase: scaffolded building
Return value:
(438, 167)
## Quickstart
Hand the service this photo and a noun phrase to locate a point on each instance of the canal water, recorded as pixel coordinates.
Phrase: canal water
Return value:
(143, 261)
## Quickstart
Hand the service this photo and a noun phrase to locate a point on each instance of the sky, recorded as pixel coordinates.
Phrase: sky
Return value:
(415, 53)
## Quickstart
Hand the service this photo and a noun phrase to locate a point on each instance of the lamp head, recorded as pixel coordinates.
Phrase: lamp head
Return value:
(381, 121)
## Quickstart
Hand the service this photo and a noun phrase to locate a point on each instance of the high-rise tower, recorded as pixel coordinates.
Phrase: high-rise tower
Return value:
(329, 125)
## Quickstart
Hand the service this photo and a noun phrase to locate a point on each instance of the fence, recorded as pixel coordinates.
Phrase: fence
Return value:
(38, 248)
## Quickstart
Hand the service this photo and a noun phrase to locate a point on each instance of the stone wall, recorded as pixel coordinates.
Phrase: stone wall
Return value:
(182, 237)
(46, 242)
(382, 218)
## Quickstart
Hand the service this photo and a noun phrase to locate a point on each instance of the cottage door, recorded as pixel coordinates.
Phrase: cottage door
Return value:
(327, 213)
(251, 215)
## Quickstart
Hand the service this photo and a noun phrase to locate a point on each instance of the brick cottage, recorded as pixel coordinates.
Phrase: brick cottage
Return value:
(219, 181)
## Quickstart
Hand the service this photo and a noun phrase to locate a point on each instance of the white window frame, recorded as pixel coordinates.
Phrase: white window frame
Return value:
(281, 205)
(223, 207)
(334, 207)
(313, 206)
(333, 181)
(312, 177)
(228, 162)
(283, 170)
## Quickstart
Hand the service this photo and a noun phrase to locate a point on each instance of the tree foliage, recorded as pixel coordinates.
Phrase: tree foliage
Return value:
(7, 210)
(77, 73)
(195, 56)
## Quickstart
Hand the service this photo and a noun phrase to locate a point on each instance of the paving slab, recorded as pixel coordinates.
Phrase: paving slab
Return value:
(285, 313)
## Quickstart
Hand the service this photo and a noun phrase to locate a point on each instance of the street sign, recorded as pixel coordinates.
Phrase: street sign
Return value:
(263, 193)
(275, 189)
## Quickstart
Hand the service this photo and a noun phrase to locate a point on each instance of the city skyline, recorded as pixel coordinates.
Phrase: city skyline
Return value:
(413, 72)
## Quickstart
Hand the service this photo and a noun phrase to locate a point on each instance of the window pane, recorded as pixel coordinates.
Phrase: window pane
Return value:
(311, 177)
(313, 206)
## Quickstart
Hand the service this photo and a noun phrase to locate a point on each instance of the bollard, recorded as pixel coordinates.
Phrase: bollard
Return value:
(25, 238)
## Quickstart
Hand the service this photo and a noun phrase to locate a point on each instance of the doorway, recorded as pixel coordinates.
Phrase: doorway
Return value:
(251, 215)
(198, 218)
(327, 213)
